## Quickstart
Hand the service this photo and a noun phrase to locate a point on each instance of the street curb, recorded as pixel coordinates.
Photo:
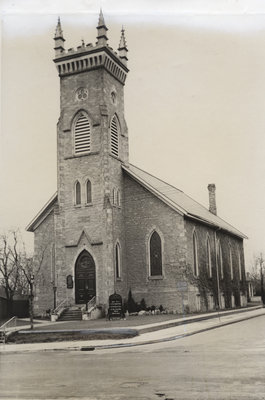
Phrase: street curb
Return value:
(128, 345)
(121, 345)
(187, 321)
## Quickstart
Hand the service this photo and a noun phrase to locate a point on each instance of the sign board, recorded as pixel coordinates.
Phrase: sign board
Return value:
(182, 286)
(115, 306)
(69, 282)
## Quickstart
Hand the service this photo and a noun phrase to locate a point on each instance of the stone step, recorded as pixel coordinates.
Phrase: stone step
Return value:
(71, 315)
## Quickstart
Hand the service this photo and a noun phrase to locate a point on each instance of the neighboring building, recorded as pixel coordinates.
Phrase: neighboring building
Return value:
(3, 304)
(113, 227)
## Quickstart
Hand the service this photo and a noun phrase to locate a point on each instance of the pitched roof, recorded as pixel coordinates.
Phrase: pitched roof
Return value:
(42, 214)
(178, 200)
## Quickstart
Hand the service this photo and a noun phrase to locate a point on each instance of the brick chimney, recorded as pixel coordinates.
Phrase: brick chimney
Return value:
(212, 199)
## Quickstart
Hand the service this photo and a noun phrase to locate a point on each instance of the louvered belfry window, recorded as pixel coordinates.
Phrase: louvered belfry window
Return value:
(114, 137)
(82, 135)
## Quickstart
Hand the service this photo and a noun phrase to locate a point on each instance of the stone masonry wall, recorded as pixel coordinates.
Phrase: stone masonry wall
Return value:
(43, 245)
(101, 224)
(227, 286)
(145, 213)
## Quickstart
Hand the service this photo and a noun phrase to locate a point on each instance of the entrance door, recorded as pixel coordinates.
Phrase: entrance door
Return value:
(85, 278)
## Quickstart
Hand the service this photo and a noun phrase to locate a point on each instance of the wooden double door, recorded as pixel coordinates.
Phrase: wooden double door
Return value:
(85, 278)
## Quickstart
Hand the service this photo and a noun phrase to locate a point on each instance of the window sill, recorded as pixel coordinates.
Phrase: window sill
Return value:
(89, 153)
(78, 205)
(155, 277)
(88, 205)
(118, 279)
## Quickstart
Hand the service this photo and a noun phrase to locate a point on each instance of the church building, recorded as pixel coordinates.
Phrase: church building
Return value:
(112, 227)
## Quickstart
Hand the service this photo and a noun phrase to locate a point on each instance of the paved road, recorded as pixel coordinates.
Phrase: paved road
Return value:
(224, 363)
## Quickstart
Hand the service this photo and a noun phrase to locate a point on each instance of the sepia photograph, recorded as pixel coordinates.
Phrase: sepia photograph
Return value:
(132, 206)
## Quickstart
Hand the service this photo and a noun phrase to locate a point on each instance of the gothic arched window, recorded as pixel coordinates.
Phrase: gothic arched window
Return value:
(114, 136)
(77, 193)
(239, 266)
(118, 198)
(118, 260)
(209, 258)
(88, 192)
(220, 261)
(195, 255)
(113, 196)
(155, 251)
(231, 263)
(82, 134)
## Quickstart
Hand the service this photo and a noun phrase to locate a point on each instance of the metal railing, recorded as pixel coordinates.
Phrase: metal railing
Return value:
(59, 309)
(91, 304)
(6, 327)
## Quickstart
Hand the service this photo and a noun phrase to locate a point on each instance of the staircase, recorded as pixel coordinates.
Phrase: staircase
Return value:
(71, 314)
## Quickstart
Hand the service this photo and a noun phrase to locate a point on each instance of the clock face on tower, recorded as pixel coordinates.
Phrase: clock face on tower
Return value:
(81, 94)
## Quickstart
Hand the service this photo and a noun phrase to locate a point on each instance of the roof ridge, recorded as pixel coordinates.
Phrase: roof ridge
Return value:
(153, 176)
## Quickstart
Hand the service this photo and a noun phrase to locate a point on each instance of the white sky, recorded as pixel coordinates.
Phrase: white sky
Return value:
(194, 100)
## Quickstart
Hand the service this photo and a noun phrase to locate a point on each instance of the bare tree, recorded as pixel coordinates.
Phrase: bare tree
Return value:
(10, 261)
(31, 270)
(18, 270)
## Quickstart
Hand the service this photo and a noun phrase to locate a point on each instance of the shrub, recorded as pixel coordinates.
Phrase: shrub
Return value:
(131, 305)
(143, 305)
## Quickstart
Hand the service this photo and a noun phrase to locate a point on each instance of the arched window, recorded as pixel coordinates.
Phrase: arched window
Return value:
(114, 196)
(77, 193)
(220, 261)
(155, 251)
(114, 136)
(195, 255)
(209, 258)
(88, 192)
(82, 134)
(118, 260)
(231, 263)
(118, 198)
(239, 266)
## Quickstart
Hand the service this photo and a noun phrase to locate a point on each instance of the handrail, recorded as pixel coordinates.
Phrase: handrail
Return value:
(5, 325)
(91, 303)
(63, 303)
(4, 328)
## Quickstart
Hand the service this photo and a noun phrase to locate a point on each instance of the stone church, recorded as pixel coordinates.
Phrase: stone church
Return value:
(112, 227)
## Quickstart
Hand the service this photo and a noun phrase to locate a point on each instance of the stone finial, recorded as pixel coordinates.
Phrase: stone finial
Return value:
(123, 47)
(102, 30)
(59, 39)
(212, 198)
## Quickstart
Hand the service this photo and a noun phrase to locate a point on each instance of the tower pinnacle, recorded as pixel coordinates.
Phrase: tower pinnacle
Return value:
(102, 30)
(123, 47)
(59, 39)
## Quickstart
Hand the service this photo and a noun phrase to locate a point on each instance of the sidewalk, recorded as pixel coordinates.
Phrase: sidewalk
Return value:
(148, 334)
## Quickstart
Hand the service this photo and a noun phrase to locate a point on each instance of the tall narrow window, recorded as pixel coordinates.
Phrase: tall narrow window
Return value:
(82, 134)
(155, 248)
(88, 192)
(195, 255)
(114, 137)
(114, 196)
(220, 261)
(231, 264)
(118, 260)
(118, 198)
(239, 266)
(209, 258)
(77, 193)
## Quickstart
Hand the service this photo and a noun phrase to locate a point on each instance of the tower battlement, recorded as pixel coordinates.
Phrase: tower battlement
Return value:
(88, 56)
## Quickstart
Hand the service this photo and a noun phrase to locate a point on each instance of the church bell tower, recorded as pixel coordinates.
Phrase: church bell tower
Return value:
(92, 144)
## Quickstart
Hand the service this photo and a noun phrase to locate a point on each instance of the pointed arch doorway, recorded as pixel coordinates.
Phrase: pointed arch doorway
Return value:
(85, 278)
